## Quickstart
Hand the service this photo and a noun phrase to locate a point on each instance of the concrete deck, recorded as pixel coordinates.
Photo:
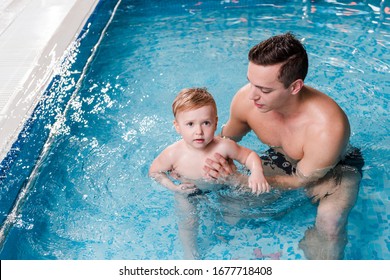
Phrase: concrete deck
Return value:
(33, 37)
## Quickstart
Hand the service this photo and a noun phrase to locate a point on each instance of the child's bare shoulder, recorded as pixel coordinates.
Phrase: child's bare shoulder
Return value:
(225, 143)
(175, 149)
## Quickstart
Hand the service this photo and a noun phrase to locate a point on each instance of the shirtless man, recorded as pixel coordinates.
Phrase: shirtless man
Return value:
(304, 126)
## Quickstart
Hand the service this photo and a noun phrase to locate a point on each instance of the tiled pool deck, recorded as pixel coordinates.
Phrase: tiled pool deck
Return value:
(33, 37)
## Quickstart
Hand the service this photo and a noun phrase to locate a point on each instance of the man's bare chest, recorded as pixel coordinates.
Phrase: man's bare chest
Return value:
(287, 139)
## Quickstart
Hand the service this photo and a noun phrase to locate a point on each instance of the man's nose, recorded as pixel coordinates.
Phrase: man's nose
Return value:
(253, 94)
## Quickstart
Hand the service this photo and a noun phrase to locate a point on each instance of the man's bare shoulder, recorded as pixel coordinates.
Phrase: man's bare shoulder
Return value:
(327, 122)
(324, 110)
(241, 104)
(241, 95)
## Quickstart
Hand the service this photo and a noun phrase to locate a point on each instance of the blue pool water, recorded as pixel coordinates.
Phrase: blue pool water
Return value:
(80, 165)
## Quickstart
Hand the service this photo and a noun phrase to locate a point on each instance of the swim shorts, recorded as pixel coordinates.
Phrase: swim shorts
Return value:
(272, 158)
(353, 158)
(198, 192)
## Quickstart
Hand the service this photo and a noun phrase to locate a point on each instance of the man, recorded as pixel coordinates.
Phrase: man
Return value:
(307, 129)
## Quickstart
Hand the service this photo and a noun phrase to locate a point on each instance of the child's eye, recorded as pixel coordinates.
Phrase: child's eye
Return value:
(190, 124)
(207, 123)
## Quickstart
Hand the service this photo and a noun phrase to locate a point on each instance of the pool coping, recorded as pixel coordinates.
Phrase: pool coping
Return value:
(33, 38)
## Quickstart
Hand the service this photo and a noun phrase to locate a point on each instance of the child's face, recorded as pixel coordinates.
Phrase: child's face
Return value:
(197, 127)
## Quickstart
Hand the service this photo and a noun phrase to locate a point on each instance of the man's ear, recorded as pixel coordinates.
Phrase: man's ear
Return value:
(296, 86)
(176, 125)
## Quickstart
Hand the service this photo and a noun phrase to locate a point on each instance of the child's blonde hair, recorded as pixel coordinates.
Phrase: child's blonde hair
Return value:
(192, 98)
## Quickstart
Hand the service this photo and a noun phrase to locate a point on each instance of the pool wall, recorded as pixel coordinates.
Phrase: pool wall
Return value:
(29, 135)
(33, 38)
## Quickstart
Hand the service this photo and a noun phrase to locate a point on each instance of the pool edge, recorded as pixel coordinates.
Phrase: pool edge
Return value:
(21, 102)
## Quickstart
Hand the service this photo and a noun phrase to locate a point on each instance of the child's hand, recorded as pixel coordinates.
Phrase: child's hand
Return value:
(186, 188)
(258, 184)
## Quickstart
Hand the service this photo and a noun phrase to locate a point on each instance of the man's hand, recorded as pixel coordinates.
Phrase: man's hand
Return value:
(219, 168)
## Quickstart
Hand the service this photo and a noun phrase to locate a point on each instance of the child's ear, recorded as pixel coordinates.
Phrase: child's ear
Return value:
(216, 122)
(176, 125)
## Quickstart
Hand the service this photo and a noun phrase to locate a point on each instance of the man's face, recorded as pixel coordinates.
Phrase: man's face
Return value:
(266, 91)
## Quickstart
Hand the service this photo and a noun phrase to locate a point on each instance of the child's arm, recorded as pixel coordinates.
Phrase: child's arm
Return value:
(163, 164)
(252, 161)
(257, 181)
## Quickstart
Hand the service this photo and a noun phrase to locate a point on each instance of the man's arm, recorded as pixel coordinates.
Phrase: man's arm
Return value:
(322, 150)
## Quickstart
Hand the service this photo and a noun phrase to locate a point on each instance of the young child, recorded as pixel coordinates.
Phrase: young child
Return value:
(196, 120)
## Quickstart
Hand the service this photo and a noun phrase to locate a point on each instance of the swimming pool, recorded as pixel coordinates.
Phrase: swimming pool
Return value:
(107, 115)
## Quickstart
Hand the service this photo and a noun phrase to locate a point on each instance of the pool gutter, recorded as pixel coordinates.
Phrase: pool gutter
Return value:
(33, 38)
